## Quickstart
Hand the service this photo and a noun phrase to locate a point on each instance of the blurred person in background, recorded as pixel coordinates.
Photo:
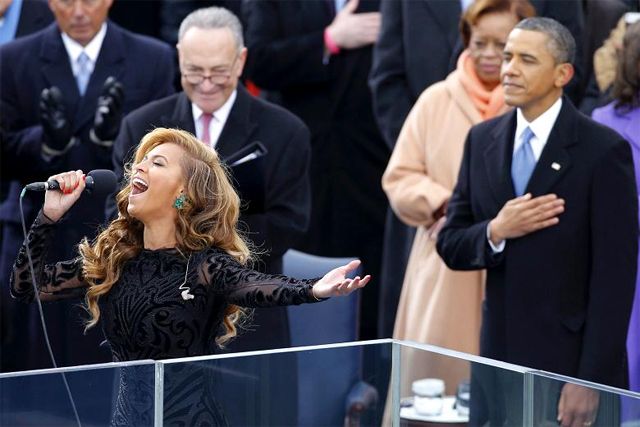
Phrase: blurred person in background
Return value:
(63, 91)
(623, 115)
(439, 306)
(316, 55)
(601, 16)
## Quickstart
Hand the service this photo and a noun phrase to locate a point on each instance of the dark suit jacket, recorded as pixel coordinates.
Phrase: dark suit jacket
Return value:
(558, 299)
(27, 66)
(34, 16)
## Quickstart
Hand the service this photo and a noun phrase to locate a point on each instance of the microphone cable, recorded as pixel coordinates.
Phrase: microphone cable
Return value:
(39, 304)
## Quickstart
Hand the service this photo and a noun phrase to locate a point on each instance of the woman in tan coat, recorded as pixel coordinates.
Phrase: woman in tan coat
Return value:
(439, 306)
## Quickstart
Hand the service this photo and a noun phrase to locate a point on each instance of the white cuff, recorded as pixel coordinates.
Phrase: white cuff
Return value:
(49, 153)
(94, 138)
(495, 248)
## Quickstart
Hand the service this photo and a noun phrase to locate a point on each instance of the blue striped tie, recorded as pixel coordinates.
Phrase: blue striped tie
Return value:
(523, 163)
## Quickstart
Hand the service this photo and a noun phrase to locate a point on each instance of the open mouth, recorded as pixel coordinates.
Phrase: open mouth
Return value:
(138, 186)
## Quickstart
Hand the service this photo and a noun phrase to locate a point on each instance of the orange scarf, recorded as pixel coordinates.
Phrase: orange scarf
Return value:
(488, 103)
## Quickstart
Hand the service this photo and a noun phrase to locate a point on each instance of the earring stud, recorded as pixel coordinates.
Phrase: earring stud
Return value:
(179, 203)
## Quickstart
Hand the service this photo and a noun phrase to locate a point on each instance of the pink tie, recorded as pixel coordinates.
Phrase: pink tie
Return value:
(206, 121)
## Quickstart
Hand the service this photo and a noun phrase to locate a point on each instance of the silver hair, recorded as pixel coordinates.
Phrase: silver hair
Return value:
(213, 18)
(562, 45)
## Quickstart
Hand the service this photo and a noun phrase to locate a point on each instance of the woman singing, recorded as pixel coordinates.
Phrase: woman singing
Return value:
(166, 278)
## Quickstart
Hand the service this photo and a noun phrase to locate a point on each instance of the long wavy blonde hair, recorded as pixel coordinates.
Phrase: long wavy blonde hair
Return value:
(208, 218)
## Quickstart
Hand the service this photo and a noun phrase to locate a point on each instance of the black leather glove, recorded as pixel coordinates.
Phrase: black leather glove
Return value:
(106, 122)
(56, 126)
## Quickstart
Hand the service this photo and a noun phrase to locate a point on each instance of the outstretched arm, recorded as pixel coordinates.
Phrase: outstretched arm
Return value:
(248, 288)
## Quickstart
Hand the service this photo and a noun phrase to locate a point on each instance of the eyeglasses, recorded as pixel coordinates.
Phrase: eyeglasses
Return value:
(197, 78)
(217, 78)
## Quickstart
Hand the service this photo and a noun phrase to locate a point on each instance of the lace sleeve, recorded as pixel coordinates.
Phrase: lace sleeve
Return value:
(55, 281)
(247, 288)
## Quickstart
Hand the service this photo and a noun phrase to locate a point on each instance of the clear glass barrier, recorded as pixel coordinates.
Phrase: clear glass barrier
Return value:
(375, 383)
(325, 385)
(439, 386)
(40, 398)
(599, 405)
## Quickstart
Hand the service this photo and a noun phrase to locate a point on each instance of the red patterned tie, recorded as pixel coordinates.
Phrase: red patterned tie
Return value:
(205, 119)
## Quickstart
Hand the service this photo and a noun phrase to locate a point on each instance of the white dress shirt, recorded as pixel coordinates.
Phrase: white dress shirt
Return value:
(218, 121)
(541, 128)
(92, 49)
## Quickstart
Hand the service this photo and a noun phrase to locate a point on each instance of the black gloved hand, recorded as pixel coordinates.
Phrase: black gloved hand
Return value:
(106, 122)
(56, 126)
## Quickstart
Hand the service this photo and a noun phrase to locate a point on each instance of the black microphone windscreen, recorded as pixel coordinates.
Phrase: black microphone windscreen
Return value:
(102, 181)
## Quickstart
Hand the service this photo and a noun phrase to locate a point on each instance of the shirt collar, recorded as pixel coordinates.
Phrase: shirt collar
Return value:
(542, 125)
(221, 114)
(92, 49)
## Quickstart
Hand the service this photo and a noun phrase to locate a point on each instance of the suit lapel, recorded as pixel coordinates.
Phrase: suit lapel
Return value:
(110, 62)
(56, 68)
(181, 117)
(238, 129)
(555, 159)
(498, 156)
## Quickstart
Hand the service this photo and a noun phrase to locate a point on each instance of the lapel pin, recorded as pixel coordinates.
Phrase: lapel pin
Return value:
(555, 166)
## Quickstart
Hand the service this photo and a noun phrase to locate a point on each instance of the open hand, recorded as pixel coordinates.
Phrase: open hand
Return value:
(335, 282)
(578, 406)
(524, 215)
(57, 203)
(350, 30)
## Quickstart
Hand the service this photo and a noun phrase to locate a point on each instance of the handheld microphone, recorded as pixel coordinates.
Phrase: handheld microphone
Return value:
(103, 181)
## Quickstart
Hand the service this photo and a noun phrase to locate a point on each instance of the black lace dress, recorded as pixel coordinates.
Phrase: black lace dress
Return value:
(144, 315)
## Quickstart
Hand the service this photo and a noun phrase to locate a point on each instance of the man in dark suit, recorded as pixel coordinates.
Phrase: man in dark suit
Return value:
(275, 186)
(546, 202)
(315, 55)
(419, 45)
(51, 85)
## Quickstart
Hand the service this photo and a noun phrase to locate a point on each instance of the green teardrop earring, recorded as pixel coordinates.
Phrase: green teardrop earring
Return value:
(179, 203)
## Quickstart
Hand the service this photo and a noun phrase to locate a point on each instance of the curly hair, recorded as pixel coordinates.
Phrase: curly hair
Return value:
(209, 218)
(626, 86)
